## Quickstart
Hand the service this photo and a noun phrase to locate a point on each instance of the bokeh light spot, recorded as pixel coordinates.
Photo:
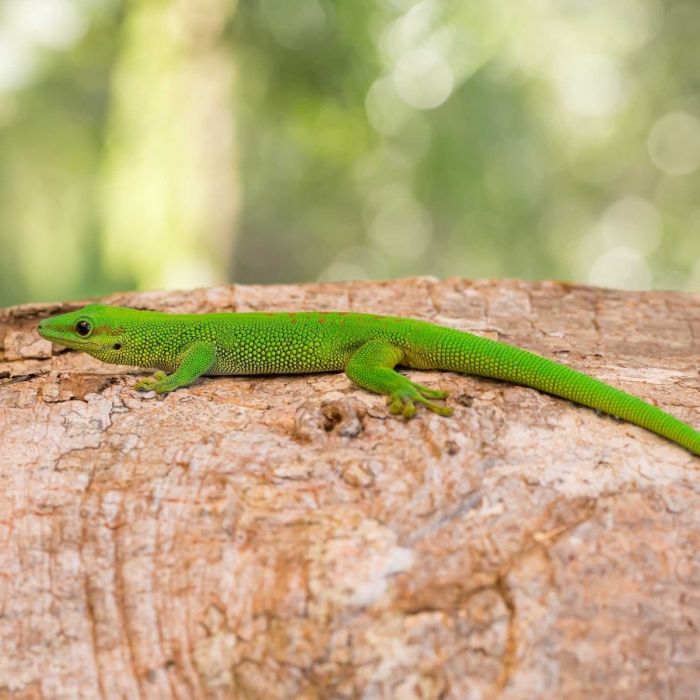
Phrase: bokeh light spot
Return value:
(386, 112)
(632, 222)
(402, 229)
(588, 85)
(356, 263)
(423, 79)
(674, 144)
(292, 24)
(53, 24)
(622, 268)
(16, 64)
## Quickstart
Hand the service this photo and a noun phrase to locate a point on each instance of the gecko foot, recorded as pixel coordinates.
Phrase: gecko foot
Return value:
(155, 383)
(404, 403)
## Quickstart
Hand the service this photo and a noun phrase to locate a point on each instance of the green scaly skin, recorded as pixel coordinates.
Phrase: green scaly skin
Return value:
(184, 347)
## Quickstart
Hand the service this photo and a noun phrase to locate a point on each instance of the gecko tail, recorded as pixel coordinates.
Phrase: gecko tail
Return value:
(471, 354)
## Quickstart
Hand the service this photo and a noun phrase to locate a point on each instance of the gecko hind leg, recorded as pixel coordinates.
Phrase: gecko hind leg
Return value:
(372, 367)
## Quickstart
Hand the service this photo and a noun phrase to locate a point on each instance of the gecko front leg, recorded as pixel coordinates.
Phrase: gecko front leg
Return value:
(195, 361)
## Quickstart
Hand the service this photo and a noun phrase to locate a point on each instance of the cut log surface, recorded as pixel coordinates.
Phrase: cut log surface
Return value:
(285, 537)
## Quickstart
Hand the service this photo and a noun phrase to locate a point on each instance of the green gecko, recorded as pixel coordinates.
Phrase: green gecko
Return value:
(366, 347)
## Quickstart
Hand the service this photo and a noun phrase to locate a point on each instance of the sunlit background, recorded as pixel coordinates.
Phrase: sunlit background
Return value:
(179, 143)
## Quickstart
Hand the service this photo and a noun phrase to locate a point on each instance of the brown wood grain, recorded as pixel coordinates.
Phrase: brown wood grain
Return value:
(284, 537)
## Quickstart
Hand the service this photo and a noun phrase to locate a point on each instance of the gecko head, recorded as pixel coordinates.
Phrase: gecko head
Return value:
(95, 329)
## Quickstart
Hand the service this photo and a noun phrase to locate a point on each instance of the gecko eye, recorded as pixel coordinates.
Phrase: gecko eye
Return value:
(83, 328)
(117, 346)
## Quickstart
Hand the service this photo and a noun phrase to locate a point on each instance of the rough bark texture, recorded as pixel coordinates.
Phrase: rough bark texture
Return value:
(284, 537)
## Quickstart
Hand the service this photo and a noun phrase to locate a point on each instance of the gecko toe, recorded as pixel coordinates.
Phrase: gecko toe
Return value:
(429, 393)
(409, 409)
(395, 405)
(435, 407)
(153, 383)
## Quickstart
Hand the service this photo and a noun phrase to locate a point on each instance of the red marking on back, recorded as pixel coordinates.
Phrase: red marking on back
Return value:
(321, 319)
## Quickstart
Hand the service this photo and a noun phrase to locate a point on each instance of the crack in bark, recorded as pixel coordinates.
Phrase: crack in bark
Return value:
(90, 610)
(510, 653)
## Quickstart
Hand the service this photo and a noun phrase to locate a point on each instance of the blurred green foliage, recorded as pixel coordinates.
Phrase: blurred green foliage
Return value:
(173, 143)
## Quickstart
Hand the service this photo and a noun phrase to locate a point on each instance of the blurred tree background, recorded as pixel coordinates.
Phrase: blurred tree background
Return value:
(175, 143)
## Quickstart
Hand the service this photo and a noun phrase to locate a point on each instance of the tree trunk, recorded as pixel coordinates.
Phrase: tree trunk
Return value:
(285, 537)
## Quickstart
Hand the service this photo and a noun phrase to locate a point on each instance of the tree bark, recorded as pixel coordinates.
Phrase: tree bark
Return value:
(285, 537)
